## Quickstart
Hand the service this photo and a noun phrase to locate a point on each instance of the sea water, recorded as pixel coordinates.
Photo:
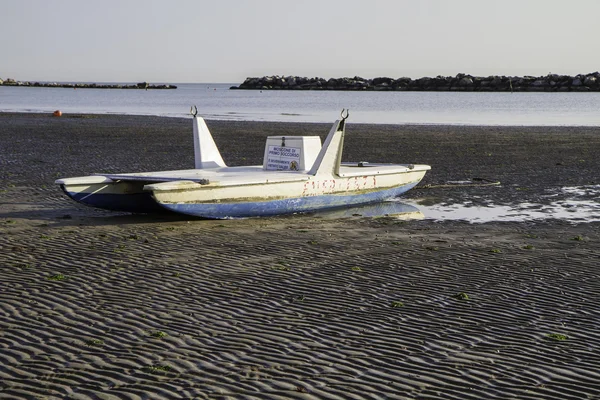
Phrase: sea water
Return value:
(217, 101)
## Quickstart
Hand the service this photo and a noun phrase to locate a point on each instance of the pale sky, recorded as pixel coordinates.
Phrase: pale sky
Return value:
(179, 41)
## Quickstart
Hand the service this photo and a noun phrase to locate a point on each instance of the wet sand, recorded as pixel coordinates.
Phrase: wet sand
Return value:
(95, 304)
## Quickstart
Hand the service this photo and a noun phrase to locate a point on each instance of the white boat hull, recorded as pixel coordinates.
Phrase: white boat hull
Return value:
(244, 209)
(267, 199)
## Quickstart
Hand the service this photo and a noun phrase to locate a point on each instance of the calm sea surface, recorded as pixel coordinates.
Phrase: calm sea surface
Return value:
(216, 101)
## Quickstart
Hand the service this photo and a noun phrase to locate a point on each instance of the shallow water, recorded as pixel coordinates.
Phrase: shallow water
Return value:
(573, 204)
(216, 101)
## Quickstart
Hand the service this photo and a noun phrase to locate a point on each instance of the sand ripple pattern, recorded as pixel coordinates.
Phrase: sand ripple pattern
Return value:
(150, 308)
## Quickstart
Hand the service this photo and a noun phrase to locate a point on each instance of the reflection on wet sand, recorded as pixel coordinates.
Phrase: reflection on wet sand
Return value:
(571, 204)
(395, 209)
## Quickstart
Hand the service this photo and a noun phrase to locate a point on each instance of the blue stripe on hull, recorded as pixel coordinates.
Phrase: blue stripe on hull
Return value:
(284, 206)
(131, 202)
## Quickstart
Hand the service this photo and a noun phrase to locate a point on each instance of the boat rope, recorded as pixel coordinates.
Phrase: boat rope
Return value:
(487, 182)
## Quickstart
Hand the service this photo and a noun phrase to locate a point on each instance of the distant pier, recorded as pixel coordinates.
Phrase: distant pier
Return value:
(459, 83)
(141, 85)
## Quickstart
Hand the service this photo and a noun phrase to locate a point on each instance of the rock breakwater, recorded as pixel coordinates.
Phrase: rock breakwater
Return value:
(459, 83)
(141, 85)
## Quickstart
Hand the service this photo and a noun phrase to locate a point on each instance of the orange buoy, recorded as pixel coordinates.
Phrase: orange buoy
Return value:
(57, 113)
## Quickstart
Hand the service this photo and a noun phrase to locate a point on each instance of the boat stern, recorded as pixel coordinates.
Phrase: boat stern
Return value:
(102, 192)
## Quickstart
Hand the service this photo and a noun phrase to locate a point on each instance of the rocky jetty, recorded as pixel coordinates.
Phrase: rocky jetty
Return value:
(459, 83)
(141, 85)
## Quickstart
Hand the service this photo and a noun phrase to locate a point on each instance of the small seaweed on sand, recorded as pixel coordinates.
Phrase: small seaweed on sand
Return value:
(157, 368)
(557, 336)
(158, 334)
(397, 304)
(461, 296)
(528, 247)
(57, 277)
(357, 269)
(94, 342)
(119, 248)
(495, 251)
(578, 238)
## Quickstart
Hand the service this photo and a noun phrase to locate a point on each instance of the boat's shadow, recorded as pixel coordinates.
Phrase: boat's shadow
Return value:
(84, 216)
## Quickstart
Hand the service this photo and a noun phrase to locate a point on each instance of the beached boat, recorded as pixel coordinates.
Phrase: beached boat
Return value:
(297, 175)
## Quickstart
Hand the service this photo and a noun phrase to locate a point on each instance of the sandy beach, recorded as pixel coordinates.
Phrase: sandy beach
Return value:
(102, 305)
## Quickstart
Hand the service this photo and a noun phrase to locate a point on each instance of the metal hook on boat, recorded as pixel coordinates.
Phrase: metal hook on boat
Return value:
(347, 114)
(194, 110)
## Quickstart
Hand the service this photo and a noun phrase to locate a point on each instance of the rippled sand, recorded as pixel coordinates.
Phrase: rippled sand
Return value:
(104, 305)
